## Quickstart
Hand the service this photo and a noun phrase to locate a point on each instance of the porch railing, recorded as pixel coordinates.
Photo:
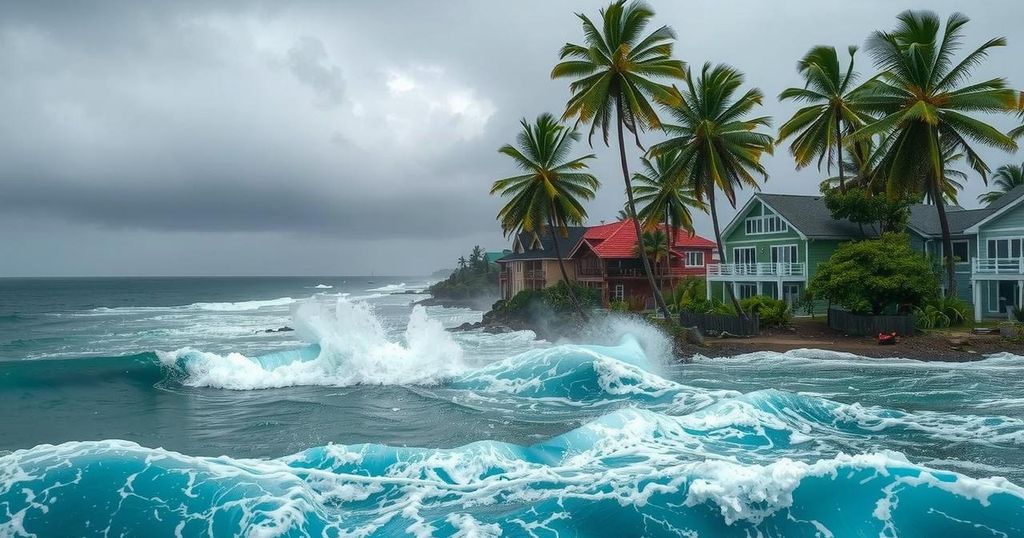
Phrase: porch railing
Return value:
(998, 266)
(782, 269)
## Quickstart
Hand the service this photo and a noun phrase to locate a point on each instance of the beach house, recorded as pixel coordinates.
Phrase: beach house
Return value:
(776, 241)
(603, 257)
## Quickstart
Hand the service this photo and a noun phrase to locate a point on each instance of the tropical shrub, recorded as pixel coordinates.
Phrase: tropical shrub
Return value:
(555, 299)
(867, 276)
(805, 303)
(619, 306)
(688, 291)
(943, 312)
(771, 312)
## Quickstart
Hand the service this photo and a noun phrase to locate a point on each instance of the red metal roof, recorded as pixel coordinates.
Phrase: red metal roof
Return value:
(618, 240)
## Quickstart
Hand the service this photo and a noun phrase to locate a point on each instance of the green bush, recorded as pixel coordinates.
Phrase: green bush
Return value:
(555, 298)
(943, 312)
(867, 276)
(619, 306)
(771, 312)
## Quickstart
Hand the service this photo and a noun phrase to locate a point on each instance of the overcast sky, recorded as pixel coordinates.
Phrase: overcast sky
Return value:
(200, 138)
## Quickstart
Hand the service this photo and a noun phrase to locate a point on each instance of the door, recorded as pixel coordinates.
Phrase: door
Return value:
(790, 294)
(786, 255)
(745, 259)
(1007, 295)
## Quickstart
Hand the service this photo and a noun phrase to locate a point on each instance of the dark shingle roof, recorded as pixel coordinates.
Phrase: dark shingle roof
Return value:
(1005, 199)
(810, 216)
(925, 219)
(566, 244)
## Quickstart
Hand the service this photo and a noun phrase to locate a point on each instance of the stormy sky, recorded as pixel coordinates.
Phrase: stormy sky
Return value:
(247, 138)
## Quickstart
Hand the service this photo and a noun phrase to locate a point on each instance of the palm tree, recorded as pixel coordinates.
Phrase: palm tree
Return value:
(615, 73)
(1005, 178)
(654, 246)
(547, 195)
(664, 196)
(952, 183)
(922, 100)
(462, 262)
(718, 145)
(833, 110)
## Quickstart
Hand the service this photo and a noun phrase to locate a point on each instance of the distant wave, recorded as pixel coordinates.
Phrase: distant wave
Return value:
(390, 288)
(323, 287)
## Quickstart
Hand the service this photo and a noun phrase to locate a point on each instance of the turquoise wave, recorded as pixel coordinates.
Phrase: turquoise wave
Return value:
(629, 472)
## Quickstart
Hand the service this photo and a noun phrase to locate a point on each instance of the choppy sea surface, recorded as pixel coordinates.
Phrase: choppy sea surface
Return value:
(163, 407)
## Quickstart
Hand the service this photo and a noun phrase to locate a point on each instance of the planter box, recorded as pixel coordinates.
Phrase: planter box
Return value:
(718, 323)
(861, 325)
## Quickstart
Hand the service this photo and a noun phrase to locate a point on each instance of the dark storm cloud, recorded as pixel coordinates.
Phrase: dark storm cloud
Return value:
(346, 121)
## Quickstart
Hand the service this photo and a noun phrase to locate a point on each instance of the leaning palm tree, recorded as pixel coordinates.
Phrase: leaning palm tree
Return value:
(923, 101)
(718, 145)
(615, 74)
(1005, 179)
(664, 197)
(952, 183)
(547, 195)
(833, 110)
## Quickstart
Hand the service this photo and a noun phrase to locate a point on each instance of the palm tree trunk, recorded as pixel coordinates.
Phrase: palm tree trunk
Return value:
(947, 242)
(631, 206)
(721, 250)
(565, 276)
(839, 155)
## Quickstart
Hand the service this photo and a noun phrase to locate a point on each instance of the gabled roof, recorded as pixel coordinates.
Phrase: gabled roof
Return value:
(618, 240)
(545, 247)
(808, 215)
(1001, 205)
(925, 219)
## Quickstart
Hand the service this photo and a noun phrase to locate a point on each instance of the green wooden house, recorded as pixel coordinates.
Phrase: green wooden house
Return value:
(776, 242)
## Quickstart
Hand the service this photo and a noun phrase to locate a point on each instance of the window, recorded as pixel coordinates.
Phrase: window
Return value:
(619, 292)
(770, 223)
(1002, 248)
(744, 255)
(961, 251)
(694, 258)
(784, 254)
(746, 290)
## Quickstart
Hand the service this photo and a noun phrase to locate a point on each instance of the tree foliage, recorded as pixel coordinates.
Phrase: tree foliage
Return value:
(868, 276)
(475, 277)
(877, 214)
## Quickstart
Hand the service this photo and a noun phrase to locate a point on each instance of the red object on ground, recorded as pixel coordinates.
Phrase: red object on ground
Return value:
(886, 339)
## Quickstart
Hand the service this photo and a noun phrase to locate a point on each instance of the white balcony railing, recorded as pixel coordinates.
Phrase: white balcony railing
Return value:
(723, 271)
(998, 266)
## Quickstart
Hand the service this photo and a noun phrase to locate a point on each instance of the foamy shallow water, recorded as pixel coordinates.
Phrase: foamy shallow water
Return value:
(371, 419)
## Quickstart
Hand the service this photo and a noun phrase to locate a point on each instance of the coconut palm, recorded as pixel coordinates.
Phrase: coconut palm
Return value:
(1005, 178)
(654, 246)
(952, 183)
(616, 72)
(547, 195)
(664, 197)
(718, 145)
(923, 99)
(462, 262)
(833, 110)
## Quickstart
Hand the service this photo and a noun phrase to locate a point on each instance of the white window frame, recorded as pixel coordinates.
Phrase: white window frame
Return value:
(795, 249)
(619, 292)
(769, 223)
(745, 285)
(735, 257)
(966, 259)
(1009, 245)
(692, 256)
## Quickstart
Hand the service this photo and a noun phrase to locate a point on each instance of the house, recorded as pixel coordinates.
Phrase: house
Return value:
(776, 242)
(987, 247)
(602, 257)
(606, 259)
(532, 264)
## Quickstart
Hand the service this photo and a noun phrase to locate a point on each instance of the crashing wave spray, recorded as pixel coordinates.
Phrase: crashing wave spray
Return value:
(352, 348)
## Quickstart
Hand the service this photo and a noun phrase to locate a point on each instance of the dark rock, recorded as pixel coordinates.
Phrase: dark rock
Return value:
(284, 329)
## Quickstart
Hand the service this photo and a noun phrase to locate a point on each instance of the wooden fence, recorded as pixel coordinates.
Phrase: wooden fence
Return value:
(860, 325)
(718, 323)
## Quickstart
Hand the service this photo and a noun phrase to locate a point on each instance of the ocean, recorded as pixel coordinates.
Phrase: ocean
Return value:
(334, 406)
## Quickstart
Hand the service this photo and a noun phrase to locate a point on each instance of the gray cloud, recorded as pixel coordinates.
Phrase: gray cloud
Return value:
(310, 64)
(361, 127)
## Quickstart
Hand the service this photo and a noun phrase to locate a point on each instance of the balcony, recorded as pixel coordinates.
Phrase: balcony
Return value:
(756, 271)
(533, 274)
(998, 267)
